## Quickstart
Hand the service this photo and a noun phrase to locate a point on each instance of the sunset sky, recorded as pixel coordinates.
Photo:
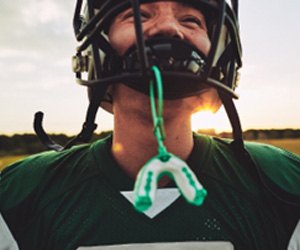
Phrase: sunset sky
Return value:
(37, 43)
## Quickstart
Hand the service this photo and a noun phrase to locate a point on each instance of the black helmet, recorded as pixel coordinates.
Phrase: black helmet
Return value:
(96, 57)
(187, 73)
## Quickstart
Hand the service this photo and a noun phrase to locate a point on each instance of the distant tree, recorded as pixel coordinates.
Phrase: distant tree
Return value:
(273, 134)
(250, 135)
(289, 133)
(20, 144)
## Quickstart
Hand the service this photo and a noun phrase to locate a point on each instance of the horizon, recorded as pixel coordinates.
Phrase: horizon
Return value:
(208, 130)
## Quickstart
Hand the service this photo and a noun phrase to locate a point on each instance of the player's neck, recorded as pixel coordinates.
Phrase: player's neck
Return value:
(134, 143)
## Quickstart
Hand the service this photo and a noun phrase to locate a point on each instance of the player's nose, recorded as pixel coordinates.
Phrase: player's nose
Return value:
(164, 27)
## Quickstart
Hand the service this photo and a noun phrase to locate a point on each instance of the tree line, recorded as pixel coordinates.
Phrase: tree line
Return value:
(24, 144)
(259, 134)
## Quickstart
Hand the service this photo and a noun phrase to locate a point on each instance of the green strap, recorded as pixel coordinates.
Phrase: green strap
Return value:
(157, 113)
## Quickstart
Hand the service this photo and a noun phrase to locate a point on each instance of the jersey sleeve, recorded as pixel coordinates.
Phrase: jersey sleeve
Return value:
(42, 177)
(278, 169)
(48, 173)
(20, 179)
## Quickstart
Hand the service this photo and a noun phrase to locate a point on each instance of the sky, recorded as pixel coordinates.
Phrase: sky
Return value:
(37, 43)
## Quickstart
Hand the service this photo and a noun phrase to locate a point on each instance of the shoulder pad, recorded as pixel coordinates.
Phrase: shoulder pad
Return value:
(278, 169)
(20, 179)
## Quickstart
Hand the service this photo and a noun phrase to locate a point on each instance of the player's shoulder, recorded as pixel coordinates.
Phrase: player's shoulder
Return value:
(279, 167)
(60, 169)
(271, 159)
(36, 164)
(272, 154)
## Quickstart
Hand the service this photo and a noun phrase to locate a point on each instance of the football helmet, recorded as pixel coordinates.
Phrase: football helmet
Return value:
(185, 70)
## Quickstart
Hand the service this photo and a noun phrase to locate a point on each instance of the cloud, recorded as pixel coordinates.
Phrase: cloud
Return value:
(42, 12)
(25, 68)
(12, 53)
(35, 23)
(37, 40)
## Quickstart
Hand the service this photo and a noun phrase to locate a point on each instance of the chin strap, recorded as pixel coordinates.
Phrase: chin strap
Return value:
(234, 119)
(88, 126)
(84, 136)
(164, 163)
(237, 145)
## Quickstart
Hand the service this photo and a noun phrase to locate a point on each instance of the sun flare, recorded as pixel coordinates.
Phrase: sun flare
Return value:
(206, 120)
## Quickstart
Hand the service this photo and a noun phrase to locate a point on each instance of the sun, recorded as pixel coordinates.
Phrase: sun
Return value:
(206, 120)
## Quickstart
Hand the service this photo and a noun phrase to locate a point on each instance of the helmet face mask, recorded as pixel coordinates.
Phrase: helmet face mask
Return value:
(174, 57)
(104, 66)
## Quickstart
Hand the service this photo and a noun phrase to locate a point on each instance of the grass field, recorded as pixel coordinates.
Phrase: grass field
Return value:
(292, 145)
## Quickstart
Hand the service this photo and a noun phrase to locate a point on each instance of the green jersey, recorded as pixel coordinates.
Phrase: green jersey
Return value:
(63, 200)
